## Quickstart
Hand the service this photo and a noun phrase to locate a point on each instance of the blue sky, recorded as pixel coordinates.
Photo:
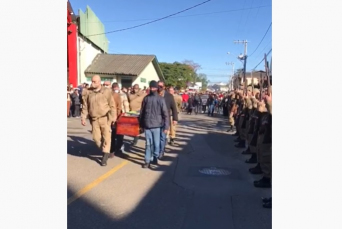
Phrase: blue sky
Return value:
(205, 39)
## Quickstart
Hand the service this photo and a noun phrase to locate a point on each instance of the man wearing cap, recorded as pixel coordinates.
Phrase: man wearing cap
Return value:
(154, 118)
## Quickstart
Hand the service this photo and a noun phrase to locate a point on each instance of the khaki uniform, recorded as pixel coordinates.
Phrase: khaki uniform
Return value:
(172, 131)
(135, 100)
(178, 100)
(231, 112)
(124, 103)
(261, 132)
(101, 108)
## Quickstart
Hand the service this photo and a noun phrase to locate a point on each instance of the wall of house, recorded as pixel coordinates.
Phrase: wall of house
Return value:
(147, 75)
(111, 79)
(86, 54)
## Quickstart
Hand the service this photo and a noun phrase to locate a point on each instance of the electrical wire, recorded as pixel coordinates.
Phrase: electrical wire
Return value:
(262, 60)
(132, 27)
(189, 15)
(261, 39)
(249, 13)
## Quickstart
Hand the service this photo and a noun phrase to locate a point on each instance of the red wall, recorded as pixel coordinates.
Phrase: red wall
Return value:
(72, 51)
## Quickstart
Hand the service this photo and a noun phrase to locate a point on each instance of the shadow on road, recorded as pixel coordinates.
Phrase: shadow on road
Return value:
(166, 205)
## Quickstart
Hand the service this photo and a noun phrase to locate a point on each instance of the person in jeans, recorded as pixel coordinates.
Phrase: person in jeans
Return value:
(153, 117)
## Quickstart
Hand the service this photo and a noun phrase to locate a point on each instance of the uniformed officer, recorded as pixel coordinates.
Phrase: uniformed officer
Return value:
(178, 101)
(100, 106)
(252, 123)
(232, 110)
(265, 146)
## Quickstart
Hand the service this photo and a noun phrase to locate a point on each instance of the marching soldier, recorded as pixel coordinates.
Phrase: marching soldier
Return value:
(178, 101)
(245, 123)
(266, 149)
(252, 126)
(232, 111)
(100, 106)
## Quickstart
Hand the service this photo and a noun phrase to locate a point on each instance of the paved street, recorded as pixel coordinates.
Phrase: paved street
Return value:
(177, 194)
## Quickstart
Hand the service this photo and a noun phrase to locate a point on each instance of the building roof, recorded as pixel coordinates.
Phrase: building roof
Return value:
(122, 64)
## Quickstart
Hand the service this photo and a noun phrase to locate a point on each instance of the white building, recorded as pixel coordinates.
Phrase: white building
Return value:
(87, 51)
(125, 69)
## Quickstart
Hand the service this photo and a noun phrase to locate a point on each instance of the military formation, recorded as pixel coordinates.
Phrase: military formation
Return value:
(250, 117)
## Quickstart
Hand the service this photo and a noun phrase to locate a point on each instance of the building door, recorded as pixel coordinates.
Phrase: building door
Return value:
(126, 83)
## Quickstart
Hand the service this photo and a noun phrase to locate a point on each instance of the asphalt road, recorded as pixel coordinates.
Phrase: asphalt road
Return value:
(180, 193)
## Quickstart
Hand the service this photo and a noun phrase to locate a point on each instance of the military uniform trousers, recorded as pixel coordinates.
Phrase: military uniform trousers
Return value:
(259, 147)
(253, 149)
(102, 133)
(172, 132)
(231, 119)
(266, 160)
(244, 131)
(241, 118)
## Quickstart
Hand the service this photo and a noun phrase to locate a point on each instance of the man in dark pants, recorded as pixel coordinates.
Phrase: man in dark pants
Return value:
(117, 140)
(154, 117)
(172, 109)
(76, 101)
(197, 103)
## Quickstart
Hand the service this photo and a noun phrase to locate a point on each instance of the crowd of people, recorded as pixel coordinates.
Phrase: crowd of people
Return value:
(248, 109)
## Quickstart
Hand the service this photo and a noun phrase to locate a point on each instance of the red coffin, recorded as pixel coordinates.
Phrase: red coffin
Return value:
(128, 126)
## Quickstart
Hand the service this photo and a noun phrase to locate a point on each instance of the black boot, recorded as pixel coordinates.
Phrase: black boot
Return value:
(236, 134)
(172, 141)
(154, 161)
(241, 144)
(238, 139)
(263, 183)
(247, 151)
(266, 200)
(146, 165)
(231, 129)
(135, 141)
(104, 159)
(256, 169)
(267, 205)
(252, 160)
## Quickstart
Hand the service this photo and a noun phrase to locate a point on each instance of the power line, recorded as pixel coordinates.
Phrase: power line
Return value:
(249, 13)
(119, 30)
(190, 15)
(238, 27)
(261, 39)
(262, 59)
(257, 56)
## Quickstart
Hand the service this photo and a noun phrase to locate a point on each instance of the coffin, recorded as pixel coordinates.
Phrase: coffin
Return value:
(128, 125)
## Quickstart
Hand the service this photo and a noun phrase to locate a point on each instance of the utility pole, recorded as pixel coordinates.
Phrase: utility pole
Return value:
(231, 78)
(244, 58)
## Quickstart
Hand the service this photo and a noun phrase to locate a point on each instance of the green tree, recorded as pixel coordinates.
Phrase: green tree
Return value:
(176, 74)
(203, 78)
